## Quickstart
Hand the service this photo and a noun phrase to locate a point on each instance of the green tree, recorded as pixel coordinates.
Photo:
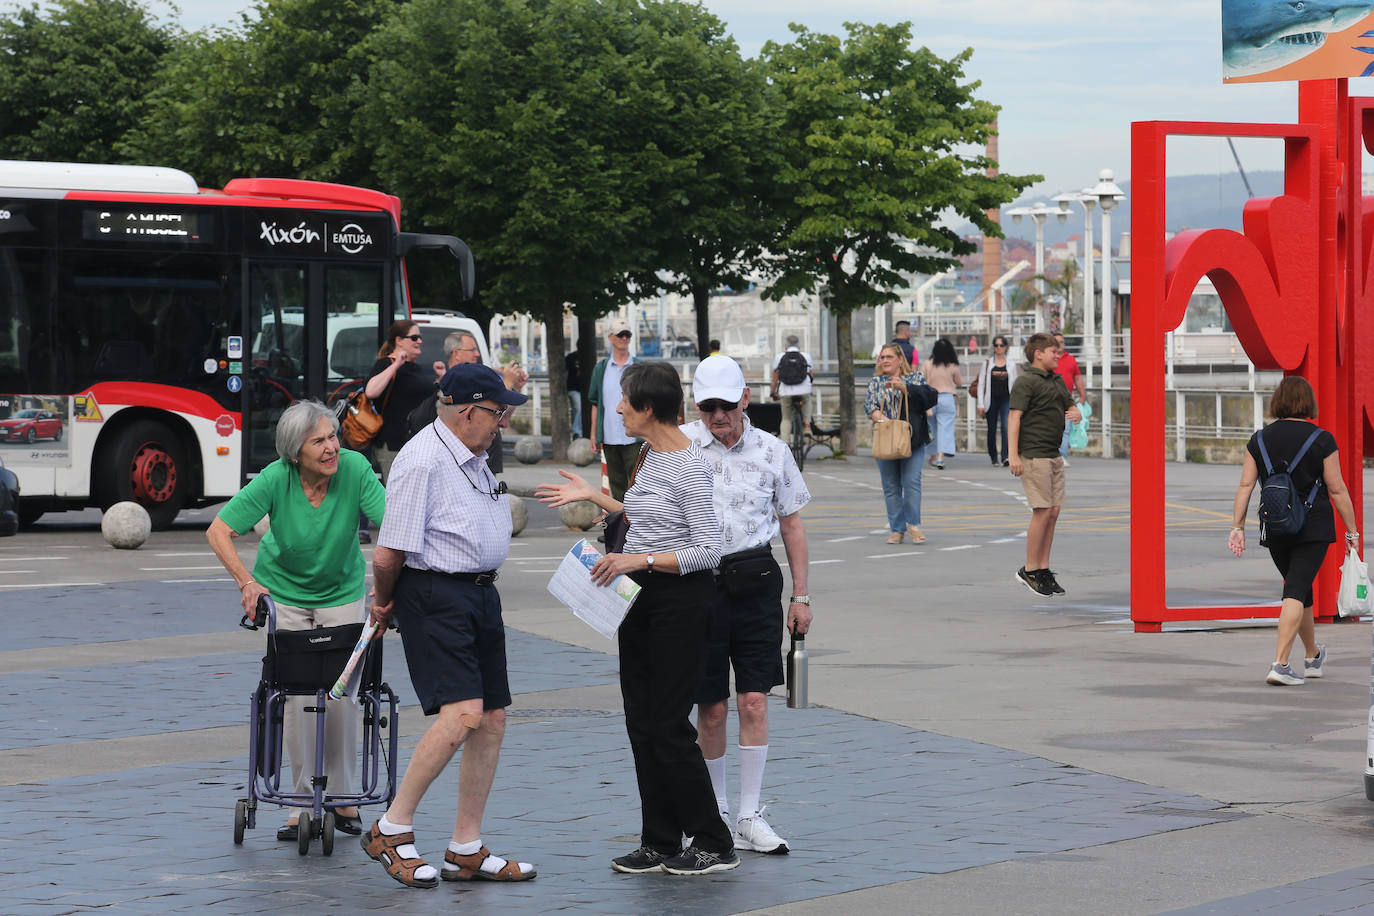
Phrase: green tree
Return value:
(883, 141)
(74, 77)
(275, 96)
(551, 132)
(1057, 297)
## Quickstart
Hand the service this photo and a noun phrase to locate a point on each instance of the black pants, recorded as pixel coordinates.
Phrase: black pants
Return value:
(661, 643)
(996, 414)
(1298, 562)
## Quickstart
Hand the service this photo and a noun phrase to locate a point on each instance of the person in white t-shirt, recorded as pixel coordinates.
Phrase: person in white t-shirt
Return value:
(790, 381)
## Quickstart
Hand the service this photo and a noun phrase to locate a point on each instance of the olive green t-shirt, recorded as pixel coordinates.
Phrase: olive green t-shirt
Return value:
(310, 557)
(1042, 398)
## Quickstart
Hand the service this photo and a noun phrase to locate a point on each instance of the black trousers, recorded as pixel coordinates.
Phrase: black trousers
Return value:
(661, 644)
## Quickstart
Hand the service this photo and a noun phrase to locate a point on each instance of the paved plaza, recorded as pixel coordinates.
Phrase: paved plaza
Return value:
(973, 748)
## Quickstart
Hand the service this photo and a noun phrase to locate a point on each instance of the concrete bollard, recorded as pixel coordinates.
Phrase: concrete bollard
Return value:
(580, 452)
(519, 514)
(528, 450)
(126, 525)
(580, 515)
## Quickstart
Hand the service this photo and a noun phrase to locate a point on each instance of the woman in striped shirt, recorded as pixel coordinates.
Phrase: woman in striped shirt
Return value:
(672, 550)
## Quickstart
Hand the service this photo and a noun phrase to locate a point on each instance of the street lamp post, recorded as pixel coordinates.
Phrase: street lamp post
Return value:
(1108, 195)
(1038, 213)
(1088, 203)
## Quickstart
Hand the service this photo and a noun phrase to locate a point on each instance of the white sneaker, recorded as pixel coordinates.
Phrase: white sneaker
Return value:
(754, 834)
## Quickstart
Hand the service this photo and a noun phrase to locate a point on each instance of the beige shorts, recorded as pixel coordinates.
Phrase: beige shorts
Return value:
(1043, 479)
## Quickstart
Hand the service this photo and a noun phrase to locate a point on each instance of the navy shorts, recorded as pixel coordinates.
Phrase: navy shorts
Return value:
(455, 640)
(746, 630)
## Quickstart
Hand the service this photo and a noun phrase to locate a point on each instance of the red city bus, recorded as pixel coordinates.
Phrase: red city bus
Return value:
(167, 326)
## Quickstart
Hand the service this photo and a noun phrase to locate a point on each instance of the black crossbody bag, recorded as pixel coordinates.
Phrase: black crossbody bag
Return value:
(750, 572)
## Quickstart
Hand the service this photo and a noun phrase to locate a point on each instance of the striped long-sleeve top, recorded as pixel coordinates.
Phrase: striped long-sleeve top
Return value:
(670, 510)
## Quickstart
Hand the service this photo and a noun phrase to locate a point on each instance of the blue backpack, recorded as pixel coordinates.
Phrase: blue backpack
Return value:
(1282, 510)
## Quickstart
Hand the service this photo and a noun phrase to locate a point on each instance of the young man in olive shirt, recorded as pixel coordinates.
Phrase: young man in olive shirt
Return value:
(1035, 426)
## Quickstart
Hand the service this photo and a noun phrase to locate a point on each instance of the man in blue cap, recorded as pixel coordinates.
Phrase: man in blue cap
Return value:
(447, 530)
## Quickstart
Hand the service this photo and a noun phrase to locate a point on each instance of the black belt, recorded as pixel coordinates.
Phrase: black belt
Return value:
(765, 550)
(477, 578)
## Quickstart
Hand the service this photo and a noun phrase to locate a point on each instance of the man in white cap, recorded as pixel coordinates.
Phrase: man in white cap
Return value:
(608, 429)
(758, 493)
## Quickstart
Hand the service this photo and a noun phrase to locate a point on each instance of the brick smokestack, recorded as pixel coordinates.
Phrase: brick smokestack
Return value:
(992, 247)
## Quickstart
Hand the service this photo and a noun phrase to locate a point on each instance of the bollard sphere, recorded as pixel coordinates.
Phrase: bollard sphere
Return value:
(580, 452)
(580, 515)
(528, 450)
(126, 525)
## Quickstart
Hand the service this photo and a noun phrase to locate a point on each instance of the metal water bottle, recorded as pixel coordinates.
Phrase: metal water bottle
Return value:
(796, 672)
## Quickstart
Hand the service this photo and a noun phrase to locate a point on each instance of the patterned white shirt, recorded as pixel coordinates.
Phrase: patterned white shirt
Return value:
(755, 482)
(433, 512)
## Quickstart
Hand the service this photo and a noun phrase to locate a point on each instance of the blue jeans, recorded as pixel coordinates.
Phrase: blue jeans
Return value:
(901, 479)
(996, 415)
(575, 421)
(945, 414)
(1064, 444)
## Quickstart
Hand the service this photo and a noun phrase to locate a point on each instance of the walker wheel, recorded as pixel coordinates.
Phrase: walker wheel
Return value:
(327, 833)
(303, 827)
(240, 820)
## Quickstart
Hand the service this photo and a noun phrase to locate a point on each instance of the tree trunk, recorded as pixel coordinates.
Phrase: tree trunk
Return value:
(701, 304)
(844, 347)
(559, 410)
(586, 360)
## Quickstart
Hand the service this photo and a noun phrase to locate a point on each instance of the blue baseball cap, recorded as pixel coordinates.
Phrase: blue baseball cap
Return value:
(473, 383)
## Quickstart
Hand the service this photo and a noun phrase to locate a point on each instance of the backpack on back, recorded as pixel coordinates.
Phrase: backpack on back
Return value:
(792, 368)
(1282, 510)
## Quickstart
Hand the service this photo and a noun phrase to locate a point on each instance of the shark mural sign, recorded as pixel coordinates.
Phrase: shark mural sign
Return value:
(1265, 40)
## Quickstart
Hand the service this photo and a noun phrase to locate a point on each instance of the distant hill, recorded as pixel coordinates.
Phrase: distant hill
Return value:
(1191, 202)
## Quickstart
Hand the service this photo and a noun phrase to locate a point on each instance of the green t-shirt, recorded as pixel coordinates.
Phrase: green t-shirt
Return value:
(310, 557)
(1041, 396)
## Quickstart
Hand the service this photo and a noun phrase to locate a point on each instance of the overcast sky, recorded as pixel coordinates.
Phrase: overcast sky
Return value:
(1069, 75)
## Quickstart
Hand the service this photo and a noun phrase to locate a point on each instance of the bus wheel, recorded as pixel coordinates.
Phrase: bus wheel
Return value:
(150, 468)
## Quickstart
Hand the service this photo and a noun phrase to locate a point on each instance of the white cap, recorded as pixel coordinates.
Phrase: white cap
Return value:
(618, 325)
(717, 378)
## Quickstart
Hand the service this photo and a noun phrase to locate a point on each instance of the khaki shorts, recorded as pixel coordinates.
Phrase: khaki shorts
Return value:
(1043, 479)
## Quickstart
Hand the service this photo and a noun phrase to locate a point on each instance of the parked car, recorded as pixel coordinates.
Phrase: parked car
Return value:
(30, 425)
(9, 501)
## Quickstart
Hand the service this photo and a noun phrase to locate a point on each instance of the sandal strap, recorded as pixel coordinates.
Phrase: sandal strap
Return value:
(383, 847)
(471, 866)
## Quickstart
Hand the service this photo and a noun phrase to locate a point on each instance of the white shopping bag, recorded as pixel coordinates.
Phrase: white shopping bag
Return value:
(1354, 598)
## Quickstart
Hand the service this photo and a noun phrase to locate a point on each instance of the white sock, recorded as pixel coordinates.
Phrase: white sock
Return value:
(408, 851)
(751, 763)
(717, 770)
(491, 865)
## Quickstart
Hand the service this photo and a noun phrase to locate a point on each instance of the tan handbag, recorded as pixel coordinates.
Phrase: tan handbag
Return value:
(892, 438)
(361, 421)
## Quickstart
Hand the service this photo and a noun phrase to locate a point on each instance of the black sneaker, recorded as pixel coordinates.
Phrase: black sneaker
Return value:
(1048, 578)
(694, 861)
(642, 860)
(1032, 581)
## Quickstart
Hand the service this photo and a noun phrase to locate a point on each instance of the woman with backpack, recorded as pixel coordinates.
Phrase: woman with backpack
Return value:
(942, 373)
(1299, 471)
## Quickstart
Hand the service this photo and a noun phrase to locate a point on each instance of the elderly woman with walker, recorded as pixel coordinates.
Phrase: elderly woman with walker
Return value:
(310, 564)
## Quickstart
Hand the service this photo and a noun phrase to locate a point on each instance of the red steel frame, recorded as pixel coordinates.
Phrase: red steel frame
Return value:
(1295, 285)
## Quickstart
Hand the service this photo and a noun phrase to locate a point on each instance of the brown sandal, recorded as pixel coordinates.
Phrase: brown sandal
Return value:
(470, 868)
(383, 848)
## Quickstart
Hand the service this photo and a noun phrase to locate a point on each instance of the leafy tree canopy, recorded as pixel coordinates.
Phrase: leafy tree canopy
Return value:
(74, 76)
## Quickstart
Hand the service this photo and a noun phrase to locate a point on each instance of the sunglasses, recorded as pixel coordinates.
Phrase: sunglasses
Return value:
(1000, 345)
(623, 335)
(717, 406)
(498, 414)
(414, 337)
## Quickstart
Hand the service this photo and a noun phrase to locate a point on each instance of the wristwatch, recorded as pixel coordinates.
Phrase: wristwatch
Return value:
(650, 561)
(801, 599)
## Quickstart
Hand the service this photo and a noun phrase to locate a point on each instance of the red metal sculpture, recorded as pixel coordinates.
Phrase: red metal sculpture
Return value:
(1295, 284)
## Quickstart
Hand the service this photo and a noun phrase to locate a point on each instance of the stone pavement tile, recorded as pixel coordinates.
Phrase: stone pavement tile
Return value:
(1350, 891)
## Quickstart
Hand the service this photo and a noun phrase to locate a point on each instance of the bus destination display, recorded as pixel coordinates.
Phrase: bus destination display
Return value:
(146, 225)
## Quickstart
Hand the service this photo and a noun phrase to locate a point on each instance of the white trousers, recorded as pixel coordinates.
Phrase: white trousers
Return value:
(340, 721)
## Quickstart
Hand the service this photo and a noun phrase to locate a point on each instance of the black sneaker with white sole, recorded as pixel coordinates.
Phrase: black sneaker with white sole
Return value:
(642, 860)
(694, 861)
(1032, 581)
(1048, 578)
